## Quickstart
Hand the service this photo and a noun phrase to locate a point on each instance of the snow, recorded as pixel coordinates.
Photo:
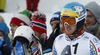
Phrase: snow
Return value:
(47, 7)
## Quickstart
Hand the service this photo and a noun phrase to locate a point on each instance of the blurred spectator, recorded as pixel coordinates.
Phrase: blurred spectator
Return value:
(92, 23)
(57, 30)
(5, 44)
(39, 27)
(32, 5)
(5, 30)
(1, 19)
(55, 19)
(2, 5)
(16, 21)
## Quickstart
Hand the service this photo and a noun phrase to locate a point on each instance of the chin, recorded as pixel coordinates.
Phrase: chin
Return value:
(12, 32)
(68, 33)
(88, 25)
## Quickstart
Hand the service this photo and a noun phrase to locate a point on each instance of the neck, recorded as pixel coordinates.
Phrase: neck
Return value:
(76, 34)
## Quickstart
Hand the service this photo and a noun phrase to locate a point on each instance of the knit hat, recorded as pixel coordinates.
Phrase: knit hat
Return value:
(27, 13)
(56, 16)
(38, 23)
(20, 20)
(95, 9)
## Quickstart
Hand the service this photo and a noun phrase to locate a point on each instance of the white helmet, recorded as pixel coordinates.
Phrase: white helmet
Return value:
(24, 34)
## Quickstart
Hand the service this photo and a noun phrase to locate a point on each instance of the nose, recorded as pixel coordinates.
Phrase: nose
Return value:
(86, 20)
(11, 29)
(66, 24)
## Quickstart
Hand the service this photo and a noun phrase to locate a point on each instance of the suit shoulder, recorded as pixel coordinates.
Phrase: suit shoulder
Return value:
(60, 36)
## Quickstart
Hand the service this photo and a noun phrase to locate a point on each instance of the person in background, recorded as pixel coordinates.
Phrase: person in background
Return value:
(92, 23)
(1, 19)
(4, 24)
(75, 40)
(4, 48)
(55, 19)
(8, 33)
(2, 5)
(39, 27)
(16, 21)
(47, 46)
(56, 24)
(5, 44)
(5, 30)
(57, 30)
(32, 5)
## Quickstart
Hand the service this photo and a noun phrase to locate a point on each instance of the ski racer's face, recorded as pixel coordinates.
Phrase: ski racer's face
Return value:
(69, 28)
(90, 19)
(13, 28)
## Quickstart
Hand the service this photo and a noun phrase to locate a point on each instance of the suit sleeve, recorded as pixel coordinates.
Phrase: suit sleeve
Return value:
(54, 51)
(94, 46)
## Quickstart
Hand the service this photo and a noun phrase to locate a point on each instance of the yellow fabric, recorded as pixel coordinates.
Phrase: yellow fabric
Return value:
(10, 37)
(2, 4)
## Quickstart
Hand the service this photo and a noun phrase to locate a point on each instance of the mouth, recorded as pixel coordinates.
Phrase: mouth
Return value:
(68, 29)
(12, 32)
(88, 23)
